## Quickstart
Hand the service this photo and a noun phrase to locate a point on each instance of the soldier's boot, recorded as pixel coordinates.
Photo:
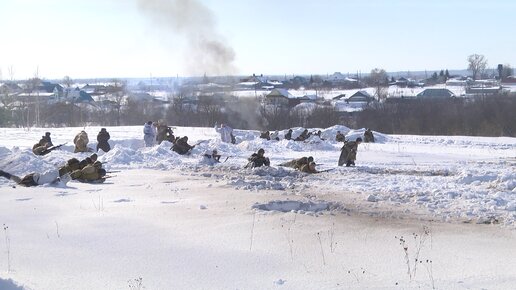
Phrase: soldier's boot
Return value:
(348, 163)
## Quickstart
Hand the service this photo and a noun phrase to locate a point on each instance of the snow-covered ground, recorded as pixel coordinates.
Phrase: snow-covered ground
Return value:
(177, 223)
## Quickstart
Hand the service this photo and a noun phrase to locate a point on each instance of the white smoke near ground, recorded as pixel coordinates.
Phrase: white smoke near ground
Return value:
(206, 51)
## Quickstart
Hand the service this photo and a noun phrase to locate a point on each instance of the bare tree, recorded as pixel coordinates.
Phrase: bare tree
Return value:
(209, 109)
(67, 81)
(10, 71)
(379, 79)
(506, 71)
(118, 94)
(477, 63)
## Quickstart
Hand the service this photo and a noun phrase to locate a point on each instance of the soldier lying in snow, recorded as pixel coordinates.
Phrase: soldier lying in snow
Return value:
(40, 147)
(298, 163)
(88, 161)
(46, 139)
(265, 135)
(34, 179)
(90, 173)
(309, 168)
(211, 157)
(181, 146)
(258, 160)
(304, 135)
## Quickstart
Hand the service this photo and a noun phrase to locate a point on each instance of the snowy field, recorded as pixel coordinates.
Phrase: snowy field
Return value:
(416, 212)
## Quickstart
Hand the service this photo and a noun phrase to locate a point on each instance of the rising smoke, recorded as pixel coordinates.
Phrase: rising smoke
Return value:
(206, 50)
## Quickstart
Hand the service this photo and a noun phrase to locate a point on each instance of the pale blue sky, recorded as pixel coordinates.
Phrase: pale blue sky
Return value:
(112, 38)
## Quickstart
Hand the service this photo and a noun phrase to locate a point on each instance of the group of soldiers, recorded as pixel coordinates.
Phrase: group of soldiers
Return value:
(157, 132)
(270, 136)
(88, 170)
(347, 156)
(288, 136)
(81, 140)
(304, 164)
(305, 135)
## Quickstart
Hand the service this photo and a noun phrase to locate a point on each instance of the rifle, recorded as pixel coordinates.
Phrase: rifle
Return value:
(199, 142)
(249, 164)
(228, 158)
(326, 170)
(49, 149)
(114, 171)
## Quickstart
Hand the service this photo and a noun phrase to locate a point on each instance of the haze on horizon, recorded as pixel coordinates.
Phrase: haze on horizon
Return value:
(138, 38)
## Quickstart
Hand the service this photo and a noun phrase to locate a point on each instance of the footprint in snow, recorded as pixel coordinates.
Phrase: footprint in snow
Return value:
(64, 193)
(122, 200)
(280, 282)
(24, 199)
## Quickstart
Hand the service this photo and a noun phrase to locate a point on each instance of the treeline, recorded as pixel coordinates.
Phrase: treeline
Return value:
(487, 116)
(481, 116)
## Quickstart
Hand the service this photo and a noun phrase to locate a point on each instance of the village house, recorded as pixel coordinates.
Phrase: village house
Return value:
(435, 93)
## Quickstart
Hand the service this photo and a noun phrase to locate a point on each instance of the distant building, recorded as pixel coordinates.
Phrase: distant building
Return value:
(509, 80)
(74, 95)
(279, 97)
(484, 90)
(308, 99)
(360, 97)
(10, 88)
(435, 93)
(407, 83)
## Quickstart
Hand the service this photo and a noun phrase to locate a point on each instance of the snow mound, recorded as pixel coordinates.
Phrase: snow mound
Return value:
(352, 135)
(159, 157)
(21, 162)
(475, 178)
(295, 206)
(273, 171)
(331, 132)
(241, 183)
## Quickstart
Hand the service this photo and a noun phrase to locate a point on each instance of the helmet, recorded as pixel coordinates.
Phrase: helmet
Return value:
(94, 157)
(359, 139)
(102, 172)
(310, 159)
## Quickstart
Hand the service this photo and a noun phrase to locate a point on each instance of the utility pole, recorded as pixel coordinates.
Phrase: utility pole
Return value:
(36, 84)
